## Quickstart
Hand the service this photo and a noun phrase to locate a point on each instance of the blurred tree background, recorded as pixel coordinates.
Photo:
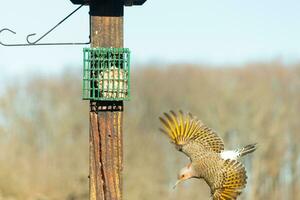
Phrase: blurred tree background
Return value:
(44, 131)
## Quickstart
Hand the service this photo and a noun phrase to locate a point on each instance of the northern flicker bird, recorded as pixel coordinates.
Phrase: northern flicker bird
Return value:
(220, 168)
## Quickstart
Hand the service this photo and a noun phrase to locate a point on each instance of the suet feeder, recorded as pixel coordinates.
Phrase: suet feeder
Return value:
(106, 74)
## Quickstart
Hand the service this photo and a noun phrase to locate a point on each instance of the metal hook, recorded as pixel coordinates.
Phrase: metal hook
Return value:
(34, 43)
(6, 29)
(32, 34)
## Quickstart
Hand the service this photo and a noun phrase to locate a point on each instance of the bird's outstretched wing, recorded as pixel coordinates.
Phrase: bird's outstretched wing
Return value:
(233, 181)
(189, 134)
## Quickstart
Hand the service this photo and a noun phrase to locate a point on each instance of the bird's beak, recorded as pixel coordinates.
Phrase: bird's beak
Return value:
(177, 182)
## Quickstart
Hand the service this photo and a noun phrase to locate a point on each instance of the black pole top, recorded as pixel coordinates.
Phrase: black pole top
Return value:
(107, 8)
(125, 2)
(85, 2)
(134, 2)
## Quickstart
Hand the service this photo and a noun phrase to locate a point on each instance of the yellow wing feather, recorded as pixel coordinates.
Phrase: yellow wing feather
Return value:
(234, 180)
(184, 128)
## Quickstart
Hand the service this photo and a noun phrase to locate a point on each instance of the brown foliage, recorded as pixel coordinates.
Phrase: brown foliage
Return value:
(44, 132)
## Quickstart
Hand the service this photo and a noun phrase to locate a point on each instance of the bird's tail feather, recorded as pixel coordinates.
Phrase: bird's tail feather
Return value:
(246, 150)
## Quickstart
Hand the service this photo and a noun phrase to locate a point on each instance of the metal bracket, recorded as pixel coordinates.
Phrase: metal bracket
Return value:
(35, 42)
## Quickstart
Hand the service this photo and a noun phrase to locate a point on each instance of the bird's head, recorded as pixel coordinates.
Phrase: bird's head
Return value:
(184, 174)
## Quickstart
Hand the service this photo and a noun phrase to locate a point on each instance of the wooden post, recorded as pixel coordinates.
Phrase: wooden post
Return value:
(106, 117)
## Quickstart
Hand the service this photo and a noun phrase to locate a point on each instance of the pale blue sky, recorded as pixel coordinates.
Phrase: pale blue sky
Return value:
(169, 31)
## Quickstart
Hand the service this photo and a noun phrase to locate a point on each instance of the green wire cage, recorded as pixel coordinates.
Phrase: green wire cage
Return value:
(106, 74)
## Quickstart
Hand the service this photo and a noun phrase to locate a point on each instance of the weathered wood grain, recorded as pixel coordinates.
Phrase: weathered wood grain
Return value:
(106, 154)
(106, 118)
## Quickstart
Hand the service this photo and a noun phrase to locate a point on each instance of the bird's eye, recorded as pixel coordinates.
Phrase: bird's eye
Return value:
(182, 176)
